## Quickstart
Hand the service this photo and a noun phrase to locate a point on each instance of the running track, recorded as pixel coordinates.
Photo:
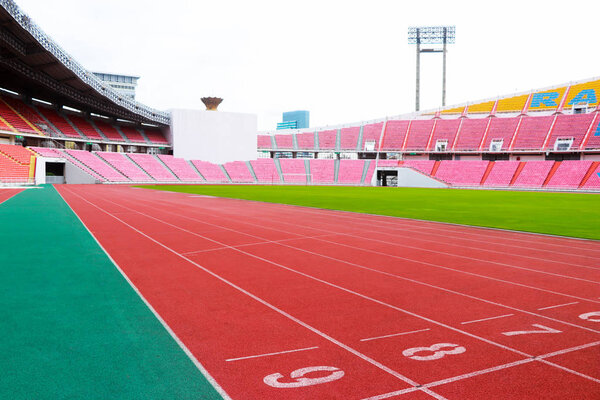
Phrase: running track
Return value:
(284, 302)
(6, 194)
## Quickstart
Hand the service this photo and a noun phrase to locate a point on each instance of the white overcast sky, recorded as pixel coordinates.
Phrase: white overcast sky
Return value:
(344, 61)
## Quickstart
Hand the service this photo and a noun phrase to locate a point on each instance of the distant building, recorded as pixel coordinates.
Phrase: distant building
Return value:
(124, 84)
(294, 120)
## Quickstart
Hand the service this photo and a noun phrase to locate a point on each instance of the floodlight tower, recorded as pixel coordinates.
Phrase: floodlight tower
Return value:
(431, 35)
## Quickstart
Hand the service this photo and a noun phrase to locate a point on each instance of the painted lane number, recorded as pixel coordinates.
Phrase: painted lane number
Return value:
(300, 380)
(593, 316)
(436, 349)
(542, 329)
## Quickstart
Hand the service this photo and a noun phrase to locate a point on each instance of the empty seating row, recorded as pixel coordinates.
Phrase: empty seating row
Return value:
(17, 116)
(181, 168)
(536, 133)
(238, 172)
(136, 167)
(124, 165)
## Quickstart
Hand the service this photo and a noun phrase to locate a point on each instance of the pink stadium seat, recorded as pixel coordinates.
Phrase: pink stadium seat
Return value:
(306, 141)
(48, 152)
(59, 122)
(152, 167)
(425, 166)
(570, 126)
(15, 119)
(20, 154)
(350, 171)
(349, 138)
(30, 114)
(593, 182)
(109, 131)
(11, 171)
(293, 170)
(85, 127)
(265, 170)
(569, 174)
(387, 163)
(96, 164)
(327, 139)
(370, 172)
(322, 171)
(418, 135)
(285, 142)
(471, 134)
(395, 132)
(534, 174)
(155, 136)
(501, 128)
(180, 168)
(238, 172)
(132, 134)
(264, 141)
(211, 172)
(594, 138)
(501, 174)
(445, 129)
(125, 166)
(372, 132)
(462, 173)
(532, 133)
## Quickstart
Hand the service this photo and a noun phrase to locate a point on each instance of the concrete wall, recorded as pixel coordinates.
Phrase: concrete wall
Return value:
(408, 177)
(213, 136)
(75, 175)
(40, 168)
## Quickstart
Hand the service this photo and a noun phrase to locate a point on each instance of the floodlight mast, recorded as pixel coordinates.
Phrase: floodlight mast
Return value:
(431, 35)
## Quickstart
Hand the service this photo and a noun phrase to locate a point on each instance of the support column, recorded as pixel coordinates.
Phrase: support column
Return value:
(418, 83)
(444, 72)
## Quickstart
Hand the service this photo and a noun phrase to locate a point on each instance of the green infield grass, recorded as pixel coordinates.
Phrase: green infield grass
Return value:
(565, 214)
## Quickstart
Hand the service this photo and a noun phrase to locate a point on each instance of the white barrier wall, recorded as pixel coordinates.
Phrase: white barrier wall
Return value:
(214, 136)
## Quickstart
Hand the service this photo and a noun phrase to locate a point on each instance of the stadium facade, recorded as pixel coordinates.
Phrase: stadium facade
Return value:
(59, 111)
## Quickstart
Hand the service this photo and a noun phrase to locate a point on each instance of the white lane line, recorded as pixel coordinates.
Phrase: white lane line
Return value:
(564, 351)
(412, 230)
(258, 299)
(558, 305)
(366, 358)
(253, 243)
(360, 355)
(327, 283)
(480, 372)
(393, 334)
(179, 342)
(486, 319)
(402, 277)
(391, 394)
(372, 251)
(427, 224)
(272, 354)
(484, 371)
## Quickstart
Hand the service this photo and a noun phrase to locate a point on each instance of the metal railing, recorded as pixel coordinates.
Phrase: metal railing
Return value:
(90, 79)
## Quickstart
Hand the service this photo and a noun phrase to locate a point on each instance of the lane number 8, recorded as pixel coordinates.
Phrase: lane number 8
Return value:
(436, 349)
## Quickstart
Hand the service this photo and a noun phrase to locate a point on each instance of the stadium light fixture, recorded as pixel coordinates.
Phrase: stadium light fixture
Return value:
(419, 35)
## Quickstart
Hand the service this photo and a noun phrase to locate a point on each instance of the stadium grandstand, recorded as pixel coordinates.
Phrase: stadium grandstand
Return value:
(183, 254)
(61, 113)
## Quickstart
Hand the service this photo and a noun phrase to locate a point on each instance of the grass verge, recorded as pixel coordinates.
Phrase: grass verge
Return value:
(565, 214)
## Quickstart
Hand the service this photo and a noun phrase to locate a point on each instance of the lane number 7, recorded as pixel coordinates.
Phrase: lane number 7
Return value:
(542, 329)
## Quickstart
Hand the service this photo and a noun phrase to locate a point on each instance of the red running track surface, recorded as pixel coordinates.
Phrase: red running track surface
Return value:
(6, 194)
(284, 302)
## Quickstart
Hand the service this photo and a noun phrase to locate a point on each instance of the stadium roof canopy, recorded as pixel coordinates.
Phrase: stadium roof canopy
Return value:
(32, 63)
